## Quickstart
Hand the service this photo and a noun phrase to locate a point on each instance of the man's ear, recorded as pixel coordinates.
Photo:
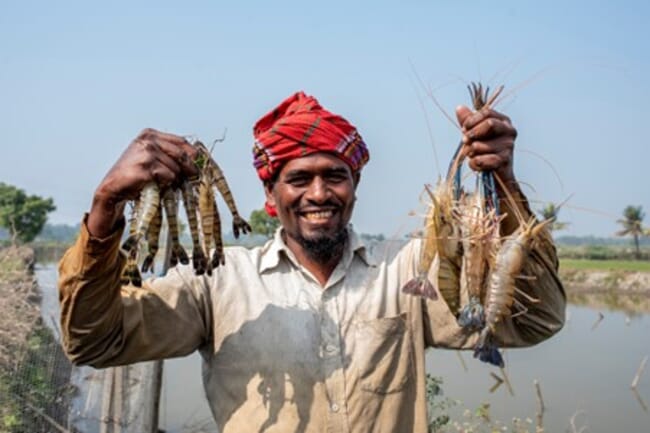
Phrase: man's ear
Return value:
(357, 178)
(268, 192)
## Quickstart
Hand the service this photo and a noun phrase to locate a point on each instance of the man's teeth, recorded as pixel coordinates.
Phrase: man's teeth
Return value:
(319, 215)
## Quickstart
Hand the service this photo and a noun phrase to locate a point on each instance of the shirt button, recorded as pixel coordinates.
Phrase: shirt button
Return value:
(330, 348)
(334, 407)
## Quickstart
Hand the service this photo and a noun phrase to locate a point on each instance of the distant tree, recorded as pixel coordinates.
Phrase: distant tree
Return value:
(550, 212)
(58, 232)
(262, 223)
(22, 215)
(633, 218)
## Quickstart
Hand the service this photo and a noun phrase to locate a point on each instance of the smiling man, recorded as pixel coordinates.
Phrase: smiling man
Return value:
(310, 332)
(310, 160)
(313, 197)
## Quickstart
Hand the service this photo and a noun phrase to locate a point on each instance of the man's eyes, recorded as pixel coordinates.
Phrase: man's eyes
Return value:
(336, 177)
(299, 180)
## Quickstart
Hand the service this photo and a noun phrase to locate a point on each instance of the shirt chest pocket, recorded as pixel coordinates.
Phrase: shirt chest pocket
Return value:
(384, 354)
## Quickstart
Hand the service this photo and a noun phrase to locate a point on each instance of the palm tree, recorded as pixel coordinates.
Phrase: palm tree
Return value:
(633, 217)
(550, 212)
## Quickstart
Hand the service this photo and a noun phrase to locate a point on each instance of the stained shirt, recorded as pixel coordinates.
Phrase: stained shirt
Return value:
(281, 353)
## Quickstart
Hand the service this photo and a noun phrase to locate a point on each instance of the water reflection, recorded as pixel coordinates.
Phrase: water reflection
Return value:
(639, 399)
(633, 304)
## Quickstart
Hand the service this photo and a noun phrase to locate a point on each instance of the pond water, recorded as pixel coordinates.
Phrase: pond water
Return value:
(586, 370)
(581, 370)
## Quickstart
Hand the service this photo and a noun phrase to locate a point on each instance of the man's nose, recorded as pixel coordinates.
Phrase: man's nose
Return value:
(318, 190)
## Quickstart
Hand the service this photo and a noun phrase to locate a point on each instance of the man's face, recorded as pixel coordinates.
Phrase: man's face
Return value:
(314, 196)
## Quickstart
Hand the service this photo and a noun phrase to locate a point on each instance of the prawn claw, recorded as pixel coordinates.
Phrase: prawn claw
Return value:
(486, 350)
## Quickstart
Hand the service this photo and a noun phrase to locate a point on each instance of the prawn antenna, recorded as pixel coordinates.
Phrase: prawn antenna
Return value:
(429, 92)
(510, 198)
(523, 84)
(428, 124)
(219, 140)
(547, 162)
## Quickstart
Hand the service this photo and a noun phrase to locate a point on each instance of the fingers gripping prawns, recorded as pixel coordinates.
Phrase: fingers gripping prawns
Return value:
(443, 226)
(147, 220)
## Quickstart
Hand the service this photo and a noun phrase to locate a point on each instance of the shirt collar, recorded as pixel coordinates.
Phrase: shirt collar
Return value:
(272, 250)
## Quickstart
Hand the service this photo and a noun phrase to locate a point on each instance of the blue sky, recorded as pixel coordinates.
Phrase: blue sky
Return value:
(78, 81)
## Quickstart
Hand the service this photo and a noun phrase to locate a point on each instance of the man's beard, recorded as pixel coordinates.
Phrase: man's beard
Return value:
(324, 248)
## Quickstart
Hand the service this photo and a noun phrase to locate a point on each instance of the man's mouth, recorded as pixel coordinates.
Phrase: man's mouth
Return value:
(320, 215)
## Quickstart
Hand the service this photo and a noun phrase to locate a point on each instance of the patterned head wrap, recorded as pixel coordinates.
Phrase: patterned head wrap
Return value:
(298, 127)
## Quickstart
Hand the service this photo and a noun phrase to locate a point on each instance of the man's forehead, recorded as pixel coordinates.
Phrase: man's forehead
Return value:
(318, 161)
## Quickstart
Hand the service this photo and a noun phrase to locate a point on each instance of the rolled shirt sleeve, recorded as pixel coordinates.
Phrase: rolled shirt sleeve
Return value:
(105, 323)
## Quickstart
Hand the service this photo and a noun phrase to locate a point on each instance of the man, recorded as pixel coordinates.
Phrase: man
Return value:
(308, 333)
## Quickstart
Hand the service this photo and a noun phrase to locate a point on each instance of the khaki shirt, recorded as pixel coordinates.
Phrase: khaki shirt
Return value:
(280, 352)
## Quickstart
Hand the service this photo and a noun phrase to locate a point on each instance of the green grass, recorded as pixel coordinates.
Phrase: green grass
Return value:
(605, 265)
(9, 264)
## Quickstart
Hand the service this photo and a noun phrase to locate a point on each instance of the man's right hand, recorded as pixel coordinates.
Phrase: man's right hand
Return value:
(153, 156)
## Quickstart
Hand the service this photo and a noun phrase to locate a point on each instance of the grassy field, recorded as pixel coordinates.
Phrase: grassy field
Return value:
(605, 265)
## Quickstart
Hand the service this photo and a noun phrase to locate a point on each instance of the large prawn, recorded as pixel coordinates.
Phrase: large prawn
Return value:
(144, 212)
(147, 208)
(420, 285)
(170, 204)
(219, 180)
(130, 273)
(199, 260)
(153, 236)
(501, 290)
(441, 238)
(480, 230)
(208, 213)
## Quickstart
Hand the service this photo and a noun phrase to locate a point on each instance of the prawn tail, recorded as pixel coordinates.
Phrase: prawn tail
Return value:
(131, 242)
(472, 315)
(218, 258)
(420, 286)
(125, 279)
(173, 259)
(486, 349)
(147, 263)
(240, 224)
(180, 254)
(131, 275)
(136, 278)
(199, 261)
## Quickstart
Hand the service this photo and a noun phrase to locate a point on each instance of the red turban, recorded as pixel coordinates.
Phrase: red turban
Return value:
(299, 126)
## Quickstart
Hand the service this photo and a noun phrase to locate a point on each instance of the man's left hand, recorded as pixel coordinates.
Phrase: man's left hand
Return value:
(488, 141)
